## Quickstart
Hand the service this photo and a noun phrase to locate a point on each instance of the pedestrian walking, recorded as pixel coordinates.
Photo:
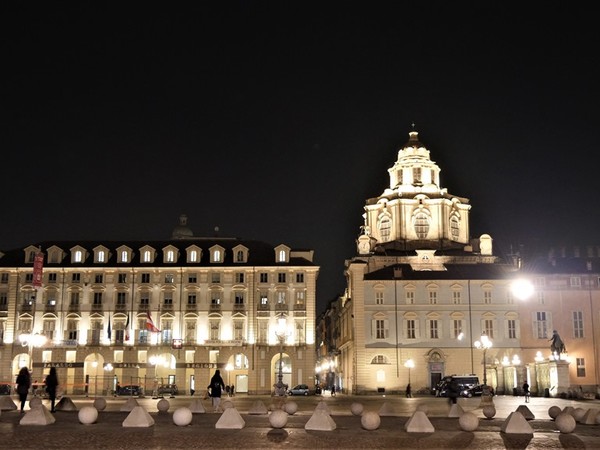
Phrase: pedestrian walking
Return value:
(333, 390)
(526, 392)
(51, 387)
(23, 385)
(216, 386)
(452, 392)
(408, 391)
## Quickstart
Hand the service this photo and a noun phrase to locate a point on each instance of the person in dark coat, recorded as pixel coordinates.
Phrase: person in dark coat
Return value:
(23, 385)
(453, 392)
(51, 387)
(216, 387)
(526, 391)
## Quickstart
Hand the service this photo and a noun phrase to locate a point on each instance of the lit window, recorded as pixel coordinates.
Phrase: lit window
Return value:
(578, 324)
(421, 224)
(456, 297)
(411, 332)
(512, 328)
(487, 297)
(541, 325)
(385, 225)
(433, 329)
(454, 227)
(581, 367)
(433, 297)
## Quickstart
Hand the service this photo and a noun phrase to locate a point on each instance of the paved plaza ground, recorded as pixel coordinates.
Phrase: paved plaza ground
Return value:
(108, 432)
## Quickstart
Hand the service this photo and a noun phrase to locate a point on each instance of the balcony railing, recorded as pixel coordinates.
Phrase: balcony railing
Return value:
(97, 307)
(74, 307)
(49, 308)
(167, 307)
(26, 307)
(120, 307)
(239, 307)
(191, 307)
(281, 307)
(215, 308)
(143, 307)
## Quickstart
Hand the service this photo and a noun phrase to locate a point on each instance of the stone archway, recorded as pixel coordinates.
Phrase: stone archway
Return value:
(436, 362)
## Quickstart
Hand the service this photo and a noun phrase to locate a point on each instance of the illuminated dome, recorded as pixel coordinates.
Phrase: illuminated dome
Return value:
(182, 231)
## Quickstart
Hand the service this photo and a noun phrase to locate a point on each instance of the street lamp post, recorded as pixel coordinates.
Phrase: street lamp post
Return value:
(409, 364)
(484, 343)
(281, 333)
(229, 368)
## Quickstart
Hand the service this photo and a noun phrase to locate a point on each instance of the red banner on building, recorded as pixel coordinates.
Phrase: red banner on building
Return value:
(38, 269)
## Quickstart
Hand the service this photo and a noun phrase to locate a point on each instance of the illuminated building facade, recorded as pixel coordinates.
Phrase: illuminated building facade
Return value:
(421, 294)
(213, 302)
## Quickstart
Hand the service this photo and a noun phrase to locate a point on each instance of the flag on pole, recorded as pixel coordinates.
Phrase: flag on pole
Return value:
(109, 332)
(127, 328)
(150, 324)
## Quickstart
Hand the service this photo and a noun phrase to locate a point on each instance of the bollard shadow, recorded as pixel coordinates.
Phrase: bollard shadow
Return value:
(571, 441)
(277, 436)
(514, 441)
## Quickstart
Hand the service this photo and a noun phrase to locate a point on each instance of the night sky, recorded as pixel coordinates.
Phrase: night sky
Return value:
(276, 121)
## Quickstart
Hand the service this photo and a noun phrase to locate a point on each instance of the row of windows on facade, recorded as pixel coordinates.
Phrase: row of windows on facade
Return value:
(433, 297)
(99, 327)
(542, 326)
(149, 254)
(122, 298)
(144, 278)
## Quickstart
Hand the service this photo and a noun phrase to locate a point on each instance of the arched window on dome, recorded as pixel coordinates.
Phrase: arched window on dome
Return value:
(385, 228)
(421, 224)
(454, 227)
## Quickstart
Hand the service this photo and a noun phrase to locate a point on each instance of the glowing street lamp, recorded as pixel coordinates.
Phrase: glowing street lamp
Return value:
(409, 364)
(31, 340)
(281, 334)
(484, 343)
(522, 288)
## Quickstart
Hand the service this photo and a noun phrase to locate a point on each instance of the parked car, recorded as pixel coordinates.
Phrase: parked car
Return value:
(170, 389)
(467, 385)
(472, 390)
(5, 389)
(300, 389)
(130, 389)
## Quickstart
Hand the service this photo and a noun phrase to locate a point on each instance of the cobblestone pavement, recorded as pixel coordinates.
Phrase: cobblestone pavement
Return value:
(108, 433)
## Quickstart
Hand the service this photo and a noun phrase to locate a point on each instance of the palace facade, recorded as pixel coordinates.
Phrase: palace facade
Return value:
(160, 312)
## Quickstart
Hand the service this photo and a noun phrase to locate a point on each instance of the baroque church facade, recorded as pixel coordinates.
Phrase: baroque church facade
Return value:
(422, 296)
(160, 312)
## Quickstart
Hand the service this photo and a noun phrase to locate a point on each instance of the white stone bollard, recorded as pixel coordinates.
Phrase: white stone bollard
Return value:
(87, 415)
(370, 420)
(182, 416)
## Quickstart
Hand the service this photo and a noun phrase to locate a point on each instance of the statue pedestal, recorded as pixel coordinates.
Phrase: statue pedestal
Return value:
(552, 377)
